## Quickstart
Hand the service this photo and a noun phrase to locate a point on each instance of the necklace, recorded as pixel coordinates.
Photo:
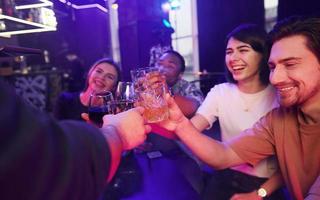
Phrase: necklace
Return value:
(249, 101)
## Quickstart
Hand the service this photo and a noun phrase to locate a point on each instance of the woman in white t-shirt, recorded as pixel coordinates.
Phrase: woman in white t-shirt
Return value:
(237, 105)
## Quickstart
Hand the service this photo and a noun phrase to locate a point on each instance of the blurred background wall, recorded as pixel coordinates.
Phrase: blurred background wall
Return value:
(132, 32)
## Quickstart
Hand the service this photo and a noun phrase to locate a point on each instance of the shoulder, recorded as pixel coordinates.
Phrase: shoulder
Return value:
(278, 118)
(282, 112)
(224, 88)
(182, 83)
(186, 88)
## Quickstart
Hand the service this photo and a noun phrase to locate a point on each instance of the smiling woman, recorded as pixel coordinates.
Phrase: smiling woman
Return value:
(103, 75)
(238, 105)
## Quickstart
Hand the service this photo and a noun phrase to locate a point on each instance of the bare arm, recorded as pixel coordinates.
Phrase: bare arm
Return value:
(115, 146)
(187, 105)
(216, 154)
(271, 185)
(123, 131)
(199, 122)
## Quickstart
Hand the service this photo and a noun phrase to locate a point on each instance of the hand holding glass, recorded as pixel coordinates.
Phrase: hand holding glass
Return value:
(150, 95)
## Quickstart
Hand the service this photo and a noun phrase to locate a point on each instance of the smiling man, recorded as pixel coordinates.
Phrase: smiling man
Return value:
(187, 95)
(290, 132)
(294, 69)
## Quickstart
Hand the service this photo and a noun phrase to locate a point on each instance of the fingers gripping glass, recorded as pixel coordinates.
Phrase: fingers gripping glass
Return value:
(150, 94)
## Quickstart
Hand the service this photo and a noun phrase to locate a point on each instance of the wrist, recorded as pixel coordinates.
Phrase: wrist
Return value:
(182, 126)
(115, 145)
(112, 136)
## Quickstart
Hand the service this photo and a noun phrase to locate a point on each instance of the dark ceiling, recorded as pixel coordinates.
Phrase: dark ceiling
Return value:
(83, 2)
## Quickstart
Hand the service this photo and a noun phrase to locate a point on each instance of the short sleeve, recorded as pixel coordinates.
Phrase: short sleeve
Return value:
(209, 109)
(256, 143)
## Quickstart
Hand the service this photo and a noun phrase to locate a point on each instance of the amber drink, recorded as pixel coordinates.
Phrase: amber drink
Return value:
(150, 97)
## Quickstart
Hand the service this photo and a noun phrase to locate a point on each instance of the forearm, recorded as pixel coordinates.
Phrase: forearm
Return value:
(199, 122)
(273, 183)
(214, 153)
(115, 146)
(187, 105)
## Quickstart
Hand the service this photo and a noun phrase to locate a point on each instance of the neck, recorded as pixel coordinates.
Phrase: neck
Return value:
(84, 97)
(311, 110)
(251, 86)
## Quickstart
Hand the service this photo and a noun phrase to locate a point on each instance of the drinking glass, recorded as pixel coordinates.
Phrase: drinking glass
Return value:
(125, 96)
(149, 95)
(100, 104)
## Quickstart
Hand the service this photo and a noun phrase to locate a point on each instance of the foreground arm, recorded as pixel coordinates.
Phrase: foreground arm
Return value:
(187, 105)
(199, 122)
(123, 131)
(45, 159)
(271, 185)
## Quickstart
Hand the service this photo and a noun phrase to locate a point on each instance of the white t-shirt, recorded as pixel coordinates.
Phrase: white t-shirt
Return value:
(236, 112)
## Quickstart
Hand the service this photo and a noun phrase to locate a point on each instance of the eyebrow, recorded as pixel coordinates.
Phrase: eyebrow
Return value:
(286, 60)
(241, 46)
(106, 72)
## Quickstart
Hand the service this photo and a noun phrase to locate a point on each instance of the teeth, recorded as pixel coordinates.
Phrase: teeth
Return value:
(285, 89)
(237, 68)
(98, 83)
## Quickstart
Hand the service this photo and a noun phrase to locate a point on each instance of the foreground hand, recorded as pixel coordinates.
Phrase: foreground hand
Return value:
(130, 126)
(246, 196)
(175, 118)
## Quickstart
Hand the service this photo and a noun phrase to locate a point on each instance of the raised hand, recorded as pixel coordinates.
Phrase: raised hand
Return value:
(175, 118)
(130, 126)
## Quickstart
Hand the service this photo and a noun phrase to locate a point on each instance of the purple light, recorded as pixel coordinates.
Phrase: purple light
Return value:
(166, 7)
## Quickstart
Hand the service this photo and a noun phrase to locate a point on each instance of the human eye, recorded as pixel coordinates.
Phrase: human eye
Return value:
(271, 67)
(173, 63)
(99, 71)
(228, 52)
(159, 62)
(244, 50)
(289, 64)
(111, 77)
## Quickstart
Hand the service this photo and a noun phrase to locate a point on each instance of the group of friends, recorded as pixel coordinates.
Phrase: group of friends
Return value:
(268, 112)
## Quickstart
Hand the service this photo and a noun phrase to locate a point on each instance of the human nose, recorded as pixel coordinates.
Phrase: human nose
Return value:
(234, 56)
(161, 69)
(277, 75)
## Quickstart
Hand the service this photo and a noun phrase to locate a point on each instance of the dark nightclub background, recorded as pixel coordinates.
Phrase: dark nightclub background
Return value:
(83, 35)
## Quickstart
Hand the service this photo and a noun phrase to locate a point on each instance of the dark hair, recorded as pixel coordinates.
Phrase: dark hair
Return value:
(180, 57)
(103, 60)
(256, 37)
(298, 25)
